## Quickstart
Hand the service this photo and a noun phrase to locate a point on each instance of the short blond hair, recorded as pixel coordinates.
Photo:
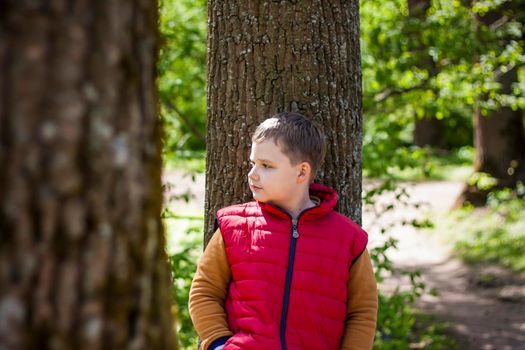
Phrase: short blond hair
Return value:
(299, 138)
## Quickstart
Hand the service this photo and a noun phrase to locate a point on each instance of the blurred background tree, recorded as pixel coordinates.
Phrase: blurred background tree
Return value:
(428, 68)
(82, 246)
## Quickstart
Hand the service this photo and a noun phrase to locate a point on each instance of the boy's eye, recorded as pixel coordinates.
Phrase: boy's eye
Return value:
(264, 165)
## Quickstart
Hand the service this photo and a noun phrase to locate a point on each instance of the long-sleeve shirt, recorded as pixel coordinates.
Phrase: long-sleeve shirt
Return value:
(210, 287)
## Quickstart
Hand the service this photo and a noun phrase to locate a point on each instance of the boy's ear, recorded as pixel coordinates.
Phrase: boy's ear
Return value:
(304, 172)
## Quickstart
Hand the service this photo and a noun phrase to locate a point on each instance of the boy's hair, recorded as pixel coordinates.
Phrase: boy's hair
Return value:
(299, 138)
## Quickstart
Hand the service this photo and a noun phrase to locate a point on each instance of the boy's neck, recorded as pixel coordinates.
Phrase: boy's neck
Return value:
(295, 206)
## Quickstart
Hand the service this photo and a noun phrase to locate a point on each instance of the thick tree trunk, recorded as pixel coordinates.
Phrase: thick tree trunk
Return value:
(82, 259)
(500, 140)
(266, 57)
(428, 132)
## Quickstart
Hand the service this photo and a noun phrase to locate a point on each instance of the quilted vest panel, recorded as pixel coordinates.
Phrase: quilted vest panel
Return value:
(258, 238)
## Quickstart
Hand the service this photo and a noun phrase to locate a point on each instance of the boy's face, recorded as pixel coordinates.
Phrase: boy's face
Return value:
(273, 178)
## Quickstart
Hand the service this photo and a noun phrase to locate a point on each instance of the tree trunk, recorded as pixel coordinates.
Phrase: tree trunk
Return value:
(82, 259)
(500, 140)
(428, 131)
(267, 57)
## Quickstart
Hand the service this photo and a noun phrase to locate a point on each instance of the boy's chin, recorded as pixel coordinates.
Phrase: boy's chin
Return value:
(259, 198)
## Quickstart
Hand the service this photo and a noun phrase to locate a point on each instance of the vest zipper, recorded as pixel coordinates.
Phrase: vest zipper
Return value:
(288, 283)
(289, 273)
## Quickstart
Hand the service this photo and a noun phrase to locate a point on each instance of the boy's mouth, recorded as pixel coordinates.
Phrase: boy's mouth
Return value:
(254, 188)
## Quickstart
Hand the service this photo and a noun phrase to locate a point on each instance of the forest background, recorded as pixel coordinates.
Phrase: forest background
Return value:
(443, 98)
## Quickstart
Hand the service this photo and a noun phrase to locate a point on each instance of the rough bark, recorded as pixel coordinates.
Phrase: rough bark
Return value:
(266, 57)
(82, 259)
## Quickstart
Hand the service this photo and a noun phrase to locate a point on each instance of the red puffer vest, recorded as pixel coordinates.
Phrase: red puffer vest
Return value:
(289, 281)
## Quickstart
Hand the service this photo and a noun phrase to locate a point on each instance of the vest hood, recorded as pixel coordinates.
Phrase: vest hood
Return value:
(327, 197)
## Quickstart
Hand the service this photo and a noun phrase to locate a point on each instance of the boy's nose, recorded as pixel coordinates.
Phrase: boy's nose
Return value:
(252, 174)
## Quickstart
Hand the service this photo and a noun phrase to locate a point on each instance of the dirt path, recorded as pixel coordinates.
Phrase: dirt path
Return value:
(485, 306)
(483, 314)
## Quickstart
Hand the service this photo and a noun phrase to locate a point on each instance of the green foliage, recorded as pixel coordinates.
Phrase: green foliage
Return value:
(396, 316)
(189, 161)
(418, 164)
(406, 76)
(184, 266)
(435, 335)
(396, 319)
(441, 63)
(483, 181)
(182, 73)
(399, 326)
(495, 234)
(403, 328)
(435, 64)
(183, 263)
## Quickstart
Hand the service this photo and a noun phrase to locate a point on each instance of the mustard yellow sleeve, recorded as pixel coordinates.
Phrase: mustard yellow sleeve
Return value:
(208, 293)
(361, 314)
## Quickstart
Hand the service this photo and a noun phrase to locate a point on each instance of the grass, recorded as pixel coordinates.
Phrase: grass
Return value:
(494, 234)
(181, 232)
(437, 165)
(188, 161)
(431, 333)
(182, 221)
(184, 246)
(184, 249)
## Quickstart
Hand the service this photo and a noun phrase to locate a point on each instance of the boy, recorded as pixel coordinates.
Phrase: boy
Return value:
(285, 271)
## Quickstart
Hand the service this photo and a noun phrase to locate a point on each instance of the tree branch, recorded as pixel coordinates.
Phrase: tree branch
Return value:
(387, 93)
(194, 130)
